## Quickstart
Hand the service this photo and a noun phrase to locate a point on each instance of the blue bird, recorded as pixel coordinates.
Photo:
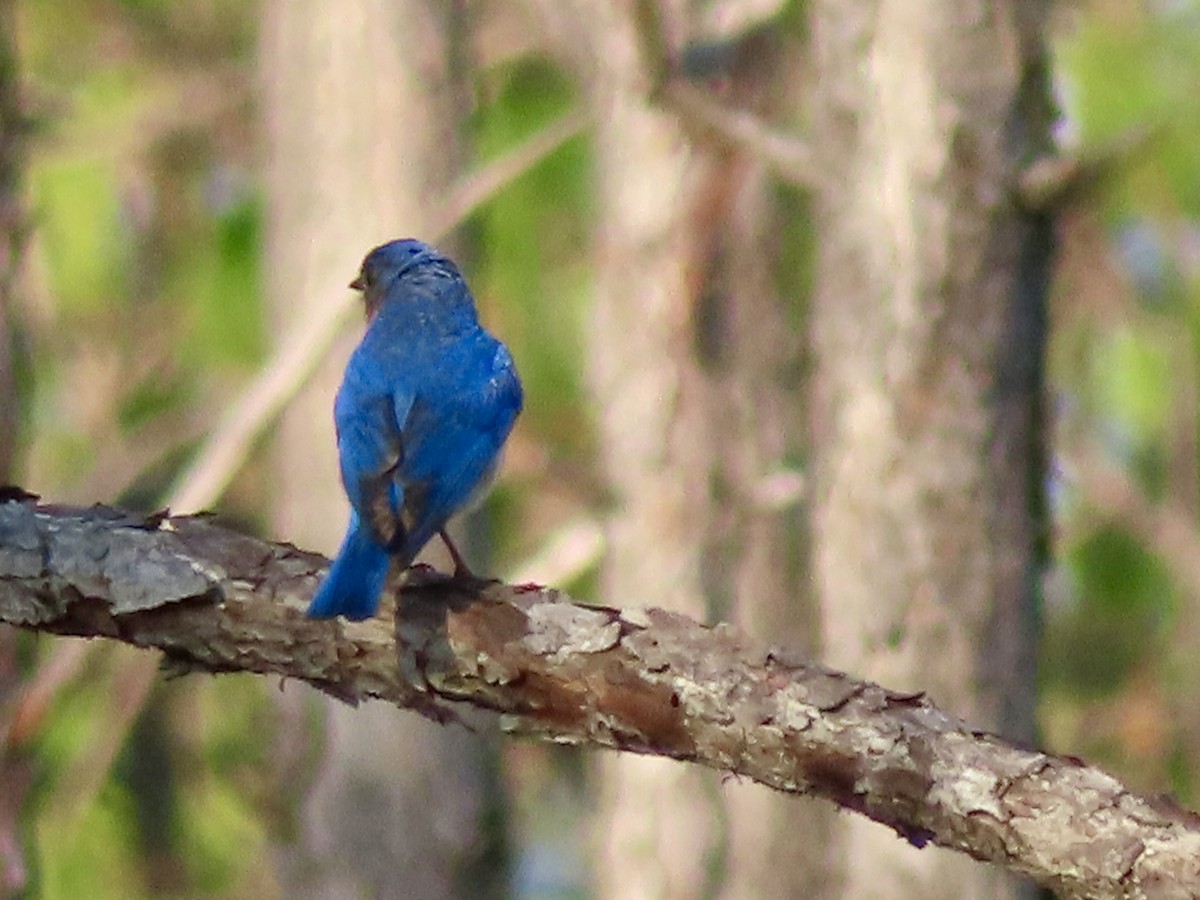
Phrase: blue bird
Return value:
(426, 403)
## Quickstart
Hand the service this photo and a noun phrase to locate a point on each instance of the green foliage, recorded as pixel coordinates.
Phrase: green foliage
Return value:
(223, 780)
(1134, 385)
(1117, 576)
(1139, 70)
(224, 834)
(152, 397)
(145, 251)
(94, 856)
(1120, 598)
(796, 267)
(1114, 648)
(75, 842)
(148, 238)
(220, 279)
(78, 216)
(183, 804)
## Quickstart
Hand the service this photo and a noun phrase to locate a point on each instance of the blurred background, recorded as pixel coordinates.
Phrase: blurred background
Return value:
(186, 188)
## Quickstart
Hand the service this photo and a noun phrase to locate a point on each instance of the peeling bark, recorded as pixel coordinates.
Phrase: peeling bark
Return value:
(641, 680)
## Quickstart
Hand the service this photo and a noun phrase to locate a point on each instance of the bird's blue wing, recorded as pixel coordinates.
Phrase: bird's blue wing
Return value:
(369, 414)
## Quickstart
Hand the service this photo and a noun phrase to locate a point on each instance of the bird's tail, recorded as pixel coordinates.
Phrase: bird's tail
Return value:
(355, 579)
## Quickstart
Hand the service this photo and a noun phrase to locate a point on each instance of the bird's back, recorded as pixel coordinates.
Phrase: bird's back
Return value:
(458, 391)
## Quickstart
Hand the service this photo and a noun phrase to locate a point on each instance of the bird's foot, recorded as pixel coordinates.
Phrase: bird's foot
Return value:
(461, 570)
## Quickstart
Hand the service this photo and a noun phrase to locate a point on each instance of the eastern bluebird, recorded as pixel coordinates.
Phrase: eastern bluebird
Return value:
(427, 401)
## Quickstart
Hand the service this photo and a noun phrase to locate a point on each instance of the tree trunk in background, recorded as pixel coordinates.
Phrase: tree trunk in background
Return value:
(360, 138)
(690, 360)
(747, 333)
(776, 846)
(928, 329)
(658, 825)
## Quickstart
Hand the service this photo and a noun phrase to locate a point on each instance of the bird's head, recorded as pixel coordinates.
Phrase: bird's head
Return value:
(385, 264)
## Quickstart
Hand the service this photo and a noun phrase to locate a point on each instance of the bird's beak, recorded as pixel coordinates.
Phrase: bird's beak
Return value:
(359, 284)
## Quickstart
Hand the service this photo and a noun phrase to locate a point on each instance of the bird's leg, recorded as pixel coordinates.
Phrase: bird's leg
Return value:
(460, 565)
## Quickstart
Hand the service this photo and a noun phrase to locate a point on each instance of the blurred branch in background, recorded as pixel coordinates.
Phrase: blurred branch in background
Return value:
(787, 155)
(572, 550)
(478, 187)
(226, 449)
(743, 56)
(1053, 181)
(641, 680)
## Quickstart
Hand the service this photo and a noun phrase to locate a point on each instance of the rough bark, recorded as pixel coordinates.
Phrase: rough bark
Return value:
(928, 331)
(641, 680)
(361, 138)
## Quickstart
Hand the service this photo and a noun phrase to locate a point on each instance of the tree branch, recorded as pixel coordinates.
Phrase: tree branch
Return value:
(707, 118)
(789, 156)
(645, 681)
